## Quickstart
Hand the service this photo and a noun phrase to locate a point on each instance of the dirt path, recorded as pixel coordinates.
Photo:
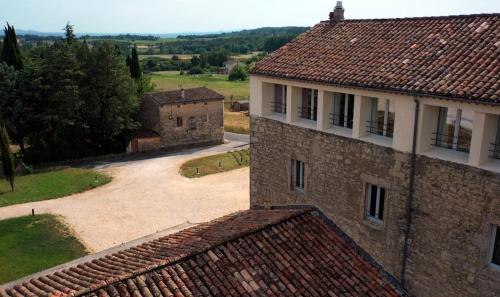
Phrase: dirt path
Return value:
(144, 197)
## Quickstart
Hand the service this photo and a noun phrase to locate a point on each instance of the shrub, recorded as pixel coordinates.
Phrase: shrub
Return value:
(196, 70)
(238, 73)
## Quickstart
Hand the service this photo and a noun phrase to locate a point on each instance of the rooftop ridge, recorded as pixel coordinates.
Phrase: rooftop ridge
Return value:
(443, 17)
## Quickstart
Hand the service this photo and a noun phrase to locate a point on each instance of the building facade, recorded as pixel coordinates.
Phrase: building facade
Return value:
(400, 152)
(180, 118)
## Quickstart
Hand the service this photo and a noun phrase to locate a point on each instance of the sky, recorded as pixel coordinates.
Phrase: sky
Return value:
(177, 16)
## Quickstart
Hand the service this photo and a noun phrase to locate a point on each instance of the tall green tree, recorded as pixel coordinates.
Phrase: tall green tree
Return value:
(69, 33)
(11, 55)
(135, 66)
(7, 157)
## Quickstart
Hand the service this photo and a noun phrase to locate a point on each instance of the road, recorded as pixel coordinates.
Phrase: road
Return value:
(147, 195)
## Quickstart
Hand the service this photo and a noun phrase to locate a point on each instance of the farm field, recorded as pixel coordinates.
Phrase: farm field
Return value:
(216, 82)
(31, 244)
(181, 57)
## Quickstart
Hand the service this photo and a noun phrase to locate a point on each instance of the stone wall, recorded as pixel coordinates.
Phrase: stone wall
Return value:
(203, 123)
(454, 205)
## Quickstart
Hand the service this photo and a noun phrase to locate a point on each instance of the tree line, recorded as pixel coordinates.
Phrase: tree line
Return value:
(68, 99)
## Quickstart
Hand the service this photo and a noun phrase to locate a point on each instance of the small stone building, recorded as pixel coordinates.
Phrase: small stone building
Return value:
(180, 118)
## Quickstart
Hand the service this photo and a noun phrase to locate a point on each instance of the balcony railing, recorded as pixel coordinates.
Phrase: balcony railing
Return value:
(451, 142)
(278, 107)
(378, 128)
(495, 151)
(307, 113)
(339, 120)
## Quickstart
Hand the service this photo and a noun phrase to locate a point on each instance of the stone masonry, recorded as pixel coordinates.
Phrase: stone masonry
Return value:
(454, 205)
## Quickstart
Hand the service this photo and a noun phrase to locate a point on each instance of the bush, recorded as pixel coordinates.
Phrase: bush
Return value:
(238, 73)
(196, 70)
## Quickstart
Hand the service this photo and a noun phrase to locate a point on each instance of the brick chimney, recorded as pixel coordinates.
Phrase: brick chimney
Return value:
(337, 15)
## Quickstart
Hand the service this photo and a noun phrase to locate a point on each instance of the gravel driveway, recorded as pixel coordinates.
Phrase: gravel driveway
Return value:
(146, 196)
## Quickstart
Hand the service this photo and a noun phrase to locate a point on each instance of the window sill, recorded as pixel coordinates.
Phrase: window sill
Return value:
(447, 155)
(492, 165)
(374, 224)
(306, 124)
(341, 131)
(277, 116)
(377, 139)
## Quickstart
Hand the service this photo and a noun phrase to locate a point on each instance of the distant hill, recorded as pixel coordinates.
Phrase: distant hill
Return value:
(251, 32)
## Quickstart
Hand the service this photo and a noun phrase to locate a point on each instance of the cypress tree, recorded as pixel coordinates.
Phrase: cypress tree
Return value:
(7, 157)
(11, 54)
(69, 33)
(135, 66)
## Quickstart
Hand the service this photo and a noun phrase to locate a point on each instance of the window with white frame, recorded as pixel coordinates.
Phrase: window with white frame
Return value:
(309, 108)
(454, 129)
(298, 174)
(495, 146)
(343, 110)
(495, 246)
(381, 117)
(375, 202)
(279, 100)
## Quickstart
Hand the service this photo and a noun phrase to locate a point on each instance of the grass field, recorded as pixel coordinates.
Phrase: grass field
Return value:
(32, 244)
(236, 122)
(210, 165)
(50, 185)
(218, 83)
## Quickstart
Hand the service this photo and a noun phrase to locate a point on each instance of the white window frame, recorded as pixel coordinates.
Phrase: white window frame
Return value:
(312, 106)
(375, 218)
(301, 176)
(492, 247)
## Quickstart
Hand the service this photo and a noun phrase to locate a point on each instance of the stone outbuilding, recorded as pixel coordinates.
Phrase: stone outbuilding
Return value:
(180, 118)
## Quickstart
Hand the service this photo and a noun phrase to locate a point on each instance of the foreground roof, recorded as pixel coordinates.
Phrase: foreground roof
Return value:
(455, 57)
(292, 252)
(190, 95)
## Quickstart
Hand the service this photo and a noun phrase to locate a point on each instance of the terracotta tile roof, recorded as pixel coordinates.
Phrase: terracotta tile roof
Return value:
(293, 252)
(456, 57)
(190, 95)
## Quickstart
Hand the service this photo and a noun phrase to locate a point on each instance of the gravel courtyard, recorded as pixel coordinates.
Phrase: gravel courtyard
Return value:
(146, 196)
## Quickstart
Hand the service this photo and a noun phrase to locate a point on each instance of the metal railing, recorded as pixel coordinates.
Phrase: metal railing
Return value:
(339, 120)
(450, 142)
(495, 151)
(278, 107)
(308, 113)
(378, 128)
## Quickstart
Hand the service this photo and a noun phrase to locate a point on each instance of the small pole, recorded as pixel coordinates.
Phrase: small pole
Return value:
(197, 170)
(241, 159)
(220, 164)
(33, 212)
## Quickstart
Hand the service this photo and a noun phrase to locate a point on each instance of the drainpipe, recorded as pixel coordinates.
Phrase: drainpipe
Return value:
(411, 190)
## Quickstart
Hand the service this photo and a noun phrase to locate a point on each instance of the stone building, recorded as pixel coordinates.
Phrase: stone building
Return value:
(391, 128)
(180, 118)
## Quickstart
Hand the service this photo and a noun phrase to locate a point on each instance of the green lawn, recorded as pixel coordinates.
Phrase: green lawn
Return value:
(50, 185)
(210, 165)
(32, 244)
(218, 83)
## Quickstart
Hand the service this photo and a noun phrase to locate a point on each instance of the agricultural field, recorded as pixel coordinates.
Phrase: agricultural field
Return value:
(31, 244)
(166, 57)
(218, 83)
